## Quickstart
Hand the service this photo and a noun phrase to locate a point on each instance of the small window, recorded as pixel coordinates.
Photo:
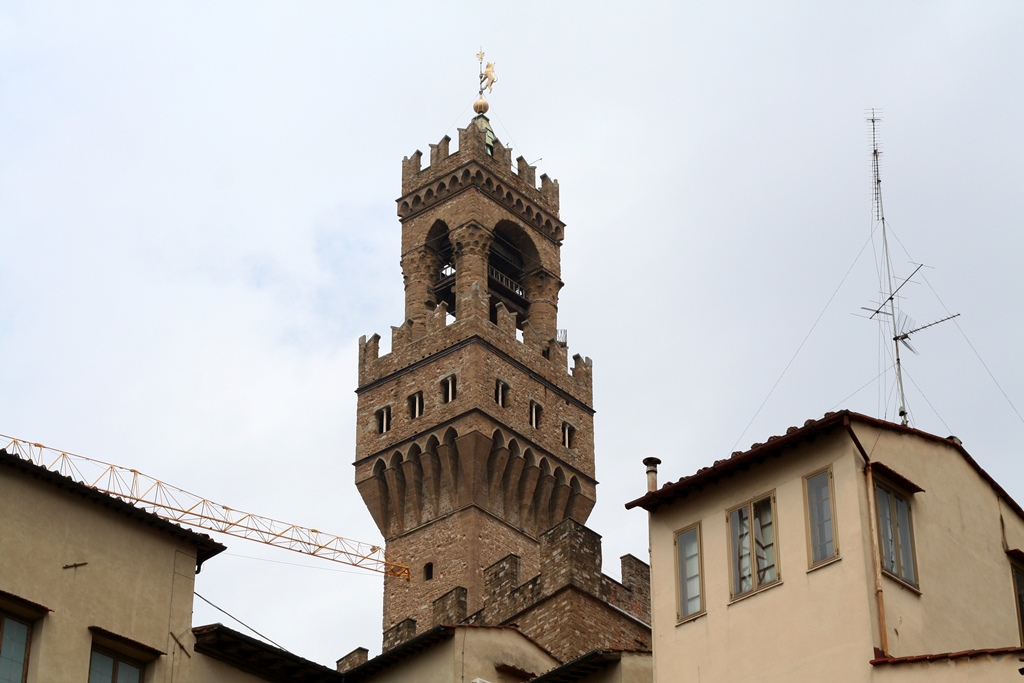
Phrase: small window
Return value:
(107, 667)
(688, 570)
(535, 411)
(448, 389)
(1018, 591)
(568, 435)
(501, 393)
(416, 405)
(428, 571)
(895, 534)
(15, 635)
(752, 542)
(383, 419)
(821, 528)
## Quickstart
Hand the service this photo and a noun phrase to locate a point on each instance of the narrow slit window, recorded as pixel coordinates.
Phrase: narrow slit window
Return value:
(448, 390)
(501, 393)
(688, 566)
(821, 527)
(416, 405)
(428, 571)
(383, 419)
(568, 435)
(752, 543)
(535, 411)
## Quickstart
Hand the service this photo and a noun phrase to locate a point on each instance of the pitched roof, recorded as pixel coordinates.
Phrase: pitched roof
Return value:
(256, 657)
(585, 665)
(206, 547)
(780, 446)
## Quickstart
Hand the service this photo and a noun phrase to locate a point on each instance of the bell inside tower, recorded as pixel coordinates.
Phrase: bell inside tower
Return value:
(506, 272)
(443, 288)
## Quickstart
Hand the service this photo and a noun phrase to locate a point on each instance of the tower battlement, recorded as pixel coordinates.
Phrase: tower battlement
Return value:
(483, 162)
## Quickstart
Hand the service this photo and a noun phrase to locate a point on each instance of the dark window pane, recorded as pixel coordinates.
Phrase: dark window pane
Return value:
(13, 650)
(739, 525)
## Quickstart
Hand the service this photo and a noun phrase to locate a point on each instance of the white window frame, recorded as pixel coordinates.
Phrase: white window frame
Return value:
(894, 535)
(813, 520)
(685, 579)
(760, 575)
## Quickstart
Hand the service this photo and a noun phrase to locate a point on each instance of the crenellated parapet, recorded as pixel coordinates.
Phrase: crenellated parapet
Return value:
(441, 334)
(570, 561)
(487, 168)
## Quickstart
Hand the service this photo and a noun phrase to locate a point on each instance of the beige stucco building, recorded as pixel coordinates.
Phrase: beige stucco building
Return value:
(95, 589)
(850, 549)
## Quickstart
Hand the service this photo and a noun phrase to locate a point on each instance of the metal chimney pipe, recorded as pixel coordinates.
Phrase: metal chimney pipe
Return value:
(652, 473)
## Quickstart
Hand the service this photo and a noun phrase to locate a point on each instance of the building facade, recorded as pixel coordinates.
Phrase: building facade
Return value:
(91, 588)
(849, 549)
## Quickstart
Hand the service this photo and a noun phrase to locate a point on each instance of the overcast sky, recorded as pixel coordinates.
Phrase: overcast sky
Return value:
(197, 223)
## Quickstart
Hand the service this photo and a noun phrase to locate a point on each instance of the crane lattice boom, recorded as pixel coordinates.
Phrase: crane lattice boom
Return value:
(177, 505)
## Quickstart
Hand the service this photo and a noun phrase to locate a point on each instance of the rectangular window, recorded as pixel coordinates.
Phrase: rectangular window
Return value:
(821, 528)
(448, 389)
(1018, 591)
(416, 405)
(568, 435)
(752, 543)
(14, 640)
(383, 419)
(895, 534)
(501, 393)
(688, 569)
(107, 667)
(535, 411)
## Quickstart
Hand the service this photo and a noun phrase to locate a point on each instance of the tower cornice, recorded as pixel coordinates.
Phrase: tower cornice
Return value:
(499, 188)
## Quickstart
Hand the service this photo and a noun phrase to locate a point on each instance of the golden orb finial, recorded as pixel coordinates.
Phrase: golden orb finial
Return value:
(481, 106)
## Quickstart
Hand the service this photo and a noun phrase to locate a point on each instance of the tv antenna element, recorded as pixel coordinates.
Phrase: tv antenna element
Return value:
(902, 327)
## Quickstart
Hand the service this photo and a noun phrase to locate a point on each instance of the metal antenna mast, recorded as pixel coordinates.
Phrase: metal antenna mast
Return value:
(900, 335)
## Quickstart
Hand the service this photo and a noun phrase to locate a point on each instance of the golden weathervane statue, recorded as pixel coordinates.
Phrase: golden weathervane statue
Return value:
(487, 80)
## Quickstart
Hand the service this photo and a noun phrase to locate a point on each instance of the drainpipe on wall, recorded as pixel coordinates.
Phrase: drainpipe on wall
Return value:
(875, 551)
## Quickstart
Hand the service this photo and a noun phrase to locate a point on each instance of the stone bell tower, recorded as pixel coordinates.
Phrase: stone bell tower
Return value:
(474, 437)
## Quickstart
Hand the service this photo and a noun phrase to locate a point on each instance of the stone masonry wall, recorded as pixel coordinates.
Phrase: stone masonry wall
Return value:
(571, 623)
(458, 547)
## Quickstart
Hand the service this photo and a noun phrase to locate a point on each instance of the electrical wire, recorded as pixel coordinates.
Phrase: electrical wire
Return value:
(239, 621)
(801, 346)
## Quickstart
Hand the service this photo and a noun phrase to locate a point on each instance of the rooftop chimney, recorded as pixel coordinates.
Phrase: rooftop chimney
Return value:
(652, 473)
